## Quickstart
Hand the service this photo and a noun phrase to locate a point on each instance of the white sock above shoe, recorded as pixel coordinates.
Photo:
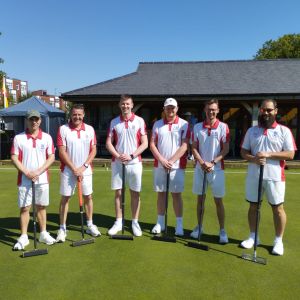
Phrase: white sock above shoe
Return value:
(252, 235)
(135, 221)
(278, 239)
(89, 223)
(161, 220)
(119, 221)
(63, 227)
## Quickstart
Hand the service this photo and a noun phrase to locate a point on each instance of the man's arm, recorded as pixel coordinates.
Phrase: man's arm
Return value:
(166, 164)
(142, 147)
(180, 151)
(34, 174)
(110, 147)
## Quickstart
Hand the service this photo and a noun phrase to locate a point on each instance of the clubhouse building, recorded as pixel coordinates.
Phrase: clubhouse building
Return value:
(239, 85)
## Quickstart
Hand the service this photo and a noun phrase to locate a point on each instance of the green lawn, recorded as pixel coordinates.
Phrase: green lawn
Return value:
(147, 269)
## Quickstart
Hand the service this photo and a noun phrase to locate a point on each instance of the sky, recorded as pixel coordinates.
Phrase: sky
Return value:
(62, 45)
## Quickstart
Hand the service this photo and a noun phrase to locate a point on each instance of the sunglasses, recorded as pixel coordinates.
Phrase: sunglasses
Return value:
(268, 110)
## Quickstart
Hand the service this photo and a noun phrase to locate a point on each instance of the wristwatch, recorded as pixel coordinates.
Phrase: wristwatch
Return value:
(213, 162)
(131, 155)
(86, 165)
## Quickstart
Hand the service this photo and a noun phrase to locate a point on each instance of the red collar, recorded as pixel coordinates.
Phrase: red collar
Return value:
(73, 128)
(174, 122)
(214, 126)
(39, 136)
(129, 119)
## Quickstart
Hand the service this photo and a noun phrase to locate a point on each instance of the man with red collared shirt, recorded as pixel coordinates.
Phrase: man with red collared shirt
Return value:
(32, 153)
(76, 143)
(169, 140)
(210, 146)
(268, 144)
(126, 140)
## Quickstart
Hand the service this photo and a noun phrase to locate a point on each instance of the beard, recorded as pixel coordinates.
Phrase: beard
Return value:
(266, 121)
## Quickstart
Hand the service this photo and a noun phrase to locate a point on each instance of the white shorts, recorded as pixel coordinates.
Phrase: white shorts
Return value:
(133, 176)
(41, 195)
(68, 184)
(176, 184)
(216, 179)
(274, 190)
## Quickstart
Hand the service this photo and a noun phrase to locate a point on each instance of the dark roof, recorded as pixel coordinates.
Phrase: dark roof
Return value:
(242, 77)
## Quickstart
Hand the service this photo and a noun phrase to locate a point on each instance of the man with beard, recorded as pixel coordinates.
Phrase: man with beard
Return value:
(268, 144)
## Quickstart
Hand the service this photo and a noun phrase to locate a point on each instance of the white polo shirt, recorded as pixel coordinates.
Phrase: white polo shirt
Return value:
(126, 135)
(210, 140)
(275, 139)
(168, 138)
(32, 153)
(78, 143)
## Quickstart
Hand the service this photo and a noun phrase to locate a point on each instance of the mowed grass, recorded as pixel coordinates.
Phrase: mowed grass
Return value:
(147, 269)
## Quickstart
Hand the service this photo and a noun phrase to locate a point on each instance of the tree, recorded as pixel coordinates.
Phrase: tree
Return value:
(287, 46)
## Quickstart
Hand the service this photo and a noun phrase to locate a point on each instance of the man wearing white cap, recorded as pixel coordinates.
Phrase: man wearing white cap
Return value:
(169, 140)
(32, 154)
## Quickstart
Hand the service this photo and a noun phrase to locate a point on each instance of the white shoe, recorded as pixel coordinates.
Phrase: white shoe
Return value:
(278, 248)
(136, 229)
(223, 237)
(21, 243)
(249, 243)
(157, 229)
(194, 234)
(179, 230)
(46, 238)
(115, 229)
(93, 230)
(61, 236)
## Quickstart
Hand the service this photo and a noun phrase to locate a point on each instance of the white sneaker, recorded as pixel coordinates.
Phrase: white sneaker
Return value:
(115, 229)
(223, 237)
(278, 248)
(93, 230)
(194, 234)
(249, 243)
(136, 229)
(46, 238)
(61, 236)
(21, 243)
(157, 229)
(179, 230)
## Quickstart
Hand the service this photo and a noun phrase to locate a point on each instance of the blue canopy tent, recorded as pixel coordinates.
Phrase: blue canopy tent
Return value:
(15, 116)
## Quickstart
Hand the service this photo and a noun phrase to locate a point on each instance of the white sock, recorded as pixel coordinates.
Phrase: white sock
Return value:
(89, 223)
(278, 239)
(161, 220)
(119, 221)
(135, 221)
(222, 230)
(24, 235)
(43, 231)
(252, 235)
(63, 227)
(179, 221)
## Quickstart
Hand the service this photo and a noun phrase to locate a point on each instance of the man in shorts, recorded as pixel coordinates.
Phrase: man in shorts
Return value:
(76, 143)
(32, 154)
(268, 144)
(126, 140)
(210, 146)
(169, 141)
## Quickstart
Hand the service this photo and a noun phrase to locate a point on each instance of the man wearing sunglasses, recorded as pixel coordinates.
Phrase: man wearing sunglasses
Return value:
(268, 144)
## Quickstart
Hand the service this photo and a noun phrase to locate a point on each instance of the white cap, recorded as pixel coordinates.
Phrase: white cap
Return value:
(170, 101)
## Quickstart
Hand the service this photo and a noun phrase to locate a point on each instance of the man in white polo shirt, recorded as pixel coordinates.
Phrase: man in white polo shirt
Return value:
(169, 140)
(126, 140)
(32, 153)
(268, 144)
(210, 146)
(76, 143)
